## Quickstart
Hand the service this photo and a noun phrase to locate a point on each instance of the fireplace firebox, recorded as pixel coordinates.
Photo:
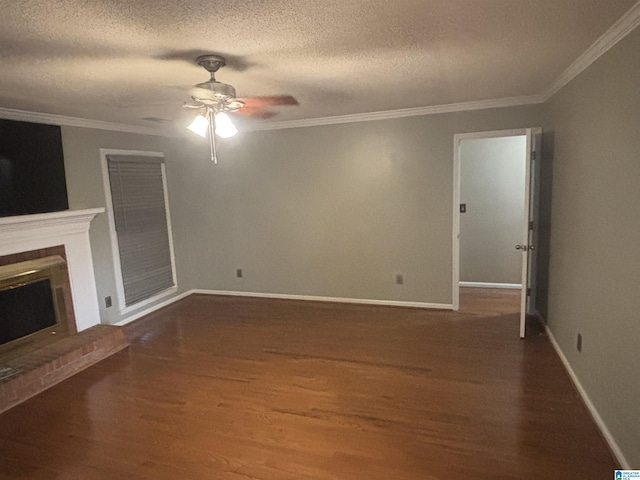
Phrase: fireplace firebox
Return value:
(32, 306)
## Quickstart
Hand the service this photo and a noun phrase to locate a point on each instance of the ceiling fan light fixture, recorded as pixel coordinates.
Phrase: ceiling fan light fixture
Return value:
(217, 99)
(199, 126)
(224, 126)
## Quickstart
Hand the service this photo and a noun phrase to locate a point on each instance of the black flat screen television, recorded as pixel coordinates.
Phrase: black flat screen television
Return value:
(32, 178)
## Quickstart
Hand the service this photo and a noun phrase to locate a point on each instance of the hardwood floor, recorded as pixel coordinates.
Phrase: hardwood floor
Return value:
(489, 301)
(241, 388)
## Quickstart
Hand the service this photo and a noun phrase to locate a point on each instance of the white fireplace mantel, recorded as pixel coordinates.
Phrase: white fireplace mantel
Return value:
(69, 228)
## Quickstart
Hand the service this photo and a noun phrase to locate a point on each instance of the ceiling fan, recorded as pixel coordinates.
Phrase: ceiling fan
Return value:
(216, 99)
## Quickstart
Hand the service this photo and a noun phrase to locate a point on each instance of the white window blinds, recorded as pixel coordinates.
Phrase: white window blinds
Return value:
(140, 217)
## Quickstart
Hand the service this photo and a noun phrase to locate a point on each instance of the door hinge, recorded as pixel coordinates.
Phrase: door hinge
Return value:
(528, 292)
(530, 225)
(533, 155)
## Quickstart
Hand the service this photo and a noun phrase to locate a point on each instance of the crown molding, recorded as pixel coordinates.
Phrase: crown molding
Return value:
(401, 113)
(625, 25)
(50, 119)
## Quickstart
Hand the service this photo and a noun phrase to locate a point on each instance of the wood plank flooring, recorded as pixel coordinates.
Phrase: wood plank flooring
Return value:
(243, 388)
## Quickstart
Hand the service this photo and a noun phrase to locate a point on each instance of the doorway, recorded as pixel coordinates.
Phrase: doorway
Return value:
(495, 198)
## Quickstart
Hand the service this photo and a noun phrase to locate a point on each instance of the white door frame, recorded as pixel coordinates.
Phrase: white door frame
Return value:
(457, 139)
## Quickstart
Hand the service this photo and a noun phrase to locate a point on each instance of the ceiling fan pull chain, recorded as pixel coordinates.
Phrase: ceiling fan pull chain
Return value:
(212, 138)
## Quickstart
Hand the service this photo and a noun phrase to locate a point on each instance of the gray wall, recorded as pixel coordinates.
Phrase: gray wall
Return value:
(594, 281)
(330, 211)
(333, 211)
(492, 184)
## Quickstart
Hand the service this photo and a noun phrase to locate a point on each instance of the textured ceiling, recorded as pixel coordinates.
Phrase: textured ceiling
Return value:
(124, 60)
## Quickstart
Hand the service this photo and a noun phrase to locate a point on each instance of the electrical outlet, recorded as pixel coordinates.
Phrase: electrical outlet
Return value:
(239, 272)
(579, 343)
(107, 302)
(399, 279)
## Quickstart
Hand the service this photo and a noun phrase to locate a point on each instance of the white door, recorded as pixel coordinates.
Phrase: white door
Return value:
(530, 228)
(530, 219)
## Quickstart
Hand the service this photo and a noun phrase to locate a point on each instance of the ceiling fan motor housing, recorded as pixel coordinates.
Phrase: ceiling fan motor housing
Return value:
(215, 90)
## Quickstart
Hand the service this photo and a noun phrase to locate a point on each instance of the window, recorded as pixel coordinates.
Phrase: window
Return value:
(140, 226)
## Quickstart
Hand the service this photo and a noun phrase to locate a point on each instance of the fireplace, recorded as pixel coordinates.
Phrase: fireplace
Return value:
(46, 276)
(68, 230)
(32, 304)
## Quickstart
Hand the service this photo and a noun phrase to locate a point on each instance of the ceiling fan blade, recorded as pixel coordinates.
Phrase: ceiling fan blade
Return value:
(268, 101)
(255, 112)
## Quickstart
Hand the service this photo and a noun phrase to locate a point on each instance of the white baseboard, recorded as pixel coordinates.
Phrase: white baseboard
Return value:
(361, 301)
(624, 464)
(152, 309)
(490, 285)
(389, 303)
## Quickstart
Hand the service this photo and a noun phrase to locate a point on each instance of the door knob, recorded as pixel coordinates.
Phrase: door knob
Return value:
(519, 247)
(532, 247)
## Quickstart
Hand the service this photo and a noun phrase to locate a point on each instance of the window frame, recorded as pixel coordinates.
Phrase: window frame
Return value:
(115, 249)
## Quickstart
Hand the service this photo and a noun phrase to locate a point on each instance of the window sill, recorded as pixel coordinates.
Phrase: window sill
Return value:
(165, 293)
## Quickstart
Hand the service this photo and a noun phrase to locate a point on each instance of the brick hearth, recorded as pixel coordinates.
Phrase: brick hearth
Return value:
(25, 376)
